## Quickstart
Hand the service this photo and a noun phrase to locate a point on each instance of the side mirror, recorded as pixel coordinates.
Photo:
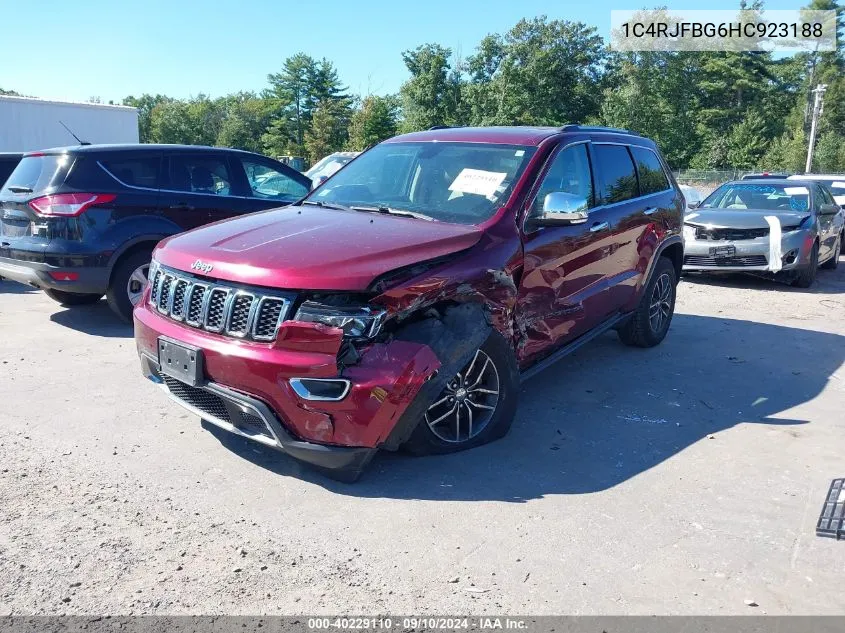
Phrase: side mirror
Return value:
(829, 209)
(318, 181)
(560, 207)
(694, 205)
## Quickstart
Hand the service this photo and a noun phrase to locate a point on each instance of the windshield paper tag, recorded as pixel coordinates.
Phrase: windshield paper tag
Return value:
(796, 191)
(478, 181)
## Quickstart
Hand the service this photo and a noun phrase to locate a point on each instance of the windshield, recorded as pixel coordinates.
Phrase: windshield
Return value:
(452, 182)
(758, 196)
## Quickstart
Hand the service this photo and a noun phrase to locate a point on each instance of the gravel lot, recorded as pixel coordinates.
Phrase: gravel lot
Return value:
(686, 479)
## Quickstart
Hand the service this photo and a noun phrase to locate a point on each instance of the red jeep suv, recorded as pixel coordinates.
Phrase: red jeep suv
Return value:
(401, 302)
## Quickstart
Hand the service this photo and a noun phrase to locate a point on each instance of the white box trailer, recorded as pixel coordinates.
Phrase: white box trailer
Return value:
(28, 124)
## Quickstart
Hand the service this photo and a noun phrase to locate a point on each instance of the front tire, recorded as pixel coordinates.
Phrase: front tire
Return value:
(650, 322)
(127, 283)
(72, 298)
(807, 275)
(476, 406)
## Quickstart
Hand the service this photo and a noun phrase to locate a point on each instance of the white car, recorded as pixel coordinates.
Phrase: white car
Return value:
(834, 182)
(329, 165)
(691, 195)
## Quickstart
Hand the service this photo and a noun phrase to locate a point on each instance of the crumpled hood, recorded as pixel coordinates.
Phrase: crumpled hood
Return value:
(741, 218)
(312, 248)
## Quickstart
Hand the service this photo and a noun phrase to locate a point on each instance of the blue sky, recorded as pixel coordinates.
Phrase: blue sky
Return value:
(113, 48)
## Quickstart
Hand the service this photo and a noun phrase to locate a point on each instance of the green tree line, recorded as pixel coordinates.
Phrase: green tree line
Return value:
(707, 110)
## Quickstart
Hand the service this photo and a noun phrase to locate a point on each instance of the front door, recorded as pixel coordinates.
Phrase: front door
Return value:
(562, 292)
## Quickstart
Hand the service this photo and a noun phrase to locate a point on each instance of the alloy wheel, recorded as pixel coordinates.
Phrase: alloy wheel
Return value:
(467, 403)
(660, 307)
(136, 284)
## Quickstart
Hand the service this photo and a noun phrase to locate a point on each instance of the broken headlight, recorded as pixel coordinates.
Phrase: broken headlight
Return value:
(689, 232)
(357, 322)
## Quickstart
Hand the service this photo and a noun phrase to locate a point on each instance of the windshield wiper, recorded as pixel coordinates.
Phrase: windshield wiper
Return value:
(19, 189)
(391, 211)
(327, 205)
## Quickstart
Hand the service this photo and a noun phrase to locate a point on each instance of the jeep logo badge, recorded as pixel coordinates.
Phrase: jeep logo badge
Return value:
(202, 266)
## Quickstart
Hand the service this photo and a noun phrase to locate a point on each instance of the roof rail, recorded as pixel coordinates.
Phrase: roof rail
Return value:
(572, 127)
(439, 127)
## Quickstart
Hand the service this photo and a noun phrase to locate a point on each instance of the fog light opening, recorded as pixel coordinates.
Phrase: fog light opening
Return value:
(323, 389)
(790, 257)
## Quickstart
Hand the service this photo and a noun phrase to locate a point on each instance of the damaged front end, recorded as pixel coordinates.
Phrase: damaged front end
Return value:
(348, 372)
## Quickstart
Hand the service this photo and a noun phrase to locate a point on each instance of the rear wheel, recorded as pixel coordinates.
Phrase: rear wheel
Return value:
(476, 406)
(648, 325)
(807, 275)
(833, 262)
(128, 281)
(72, 298)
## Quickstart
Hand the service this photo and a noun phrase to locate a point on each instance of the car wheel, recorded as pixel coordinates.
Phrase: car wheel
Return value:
(650, 321)
(807, 275)
(127, 283)
(833, 262)
(476, 406)
(72, 298)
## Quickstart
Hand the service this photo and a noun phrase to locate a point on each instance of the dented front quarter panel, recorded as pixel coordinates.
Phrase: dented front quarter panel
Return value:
(487, 273)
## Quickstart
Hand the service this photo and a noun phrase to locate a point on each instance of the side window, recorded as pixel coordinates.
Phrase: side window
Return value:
(268, 183)
(142, 171)
(569, 173)
(827, 197)
(617, 177)
(652, 177)
(200, 174)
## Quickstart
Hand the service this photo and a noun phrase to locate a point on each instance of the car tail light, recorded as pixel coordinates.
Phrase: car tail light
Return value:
(68, 204)
(64, 276)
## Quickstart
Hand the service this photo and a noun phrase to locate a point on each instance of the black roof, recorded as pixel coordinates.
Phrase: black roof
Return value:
(134, 147)
(11, 154)
(788, 182)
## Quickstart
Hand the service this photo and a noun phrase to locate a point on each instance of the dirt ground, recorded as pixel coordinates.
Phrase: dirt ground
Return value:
(685, 479)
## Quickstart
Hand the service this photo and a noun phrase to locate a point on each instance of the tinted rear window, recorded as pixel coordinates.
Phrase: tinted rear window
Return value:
(142, 171)
(7, 166)
(652, 177)
(40, 173)
(617, 178)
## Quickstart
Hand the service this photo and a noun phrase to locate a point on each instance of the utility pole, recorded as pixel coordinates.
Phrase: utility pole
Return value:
(817, 110)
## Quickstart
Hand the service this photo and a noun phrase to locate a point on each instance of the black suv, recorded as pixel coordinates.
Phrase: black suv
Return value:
(81, 222)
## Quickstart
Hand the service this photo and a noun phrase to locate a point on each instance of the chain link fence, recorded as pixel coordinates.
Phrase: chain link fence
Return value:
(706, 180)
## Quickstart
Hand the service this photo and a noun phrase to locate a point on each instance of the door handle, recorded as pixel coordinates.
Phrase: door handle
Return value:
(181, 206)
(599, 226)
(650, 211)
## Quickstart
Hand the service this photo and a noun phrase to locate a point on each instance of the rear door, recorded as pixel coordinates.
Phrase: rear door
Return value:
(635, 197)
(199, 188)
(23, 233)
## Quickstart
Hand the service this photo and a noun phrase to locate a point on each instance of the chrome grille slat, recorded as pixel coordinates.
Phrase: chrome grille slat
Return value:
(218, 308)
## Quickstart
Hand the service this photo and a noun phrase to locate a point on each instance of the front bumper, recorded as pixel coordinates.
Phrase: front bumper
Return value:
(244, 377)
(751, 255)
(38, 275)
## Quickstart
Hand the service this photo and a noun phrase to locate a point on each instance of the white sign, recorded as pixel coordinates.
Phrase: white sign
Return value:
(478, 181)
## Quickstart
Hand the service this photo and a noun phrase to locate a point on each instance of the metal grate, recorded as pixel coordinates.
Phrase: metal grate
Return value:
(154, 289)
(218, 307)
(832, 519)
(179, 289)
(721, 235)
(164, 292)
(201, 399)
(239, 314)
(270, 312)
(746, 260)
(215, 312)
(197, 294)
